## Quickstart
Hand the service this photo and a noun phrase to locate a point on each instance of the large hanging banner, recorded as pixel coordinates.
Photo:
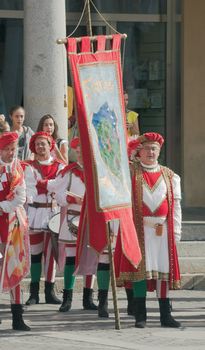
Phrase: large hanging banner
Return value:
(97, 83)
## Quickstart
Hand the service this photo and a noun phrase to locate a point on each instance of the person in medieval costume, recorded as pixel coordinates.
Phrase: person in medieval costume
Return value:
(157, 216)
(14, 240)
(41, 206)
(87, 260)
(69, 188)
(91, 261)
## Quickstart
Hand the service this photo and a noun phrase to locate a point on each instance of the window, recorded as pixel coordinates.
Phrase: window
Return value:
(11, 63)
(11, 5)
(121, 6)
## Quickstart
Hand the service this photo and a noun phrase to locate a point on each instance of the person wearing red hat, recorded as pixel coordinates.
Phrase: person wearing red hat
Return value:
(69, 188)
(14, 242)
(157, 216)
(41, 207)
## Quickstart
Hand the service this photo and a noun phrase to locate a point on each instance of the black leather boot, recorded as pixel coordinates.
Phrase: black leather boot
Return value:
(166, 318)
(129, 293)
(67, 300)
(17, 318)
(140, 312)
(50, 296)
(88, 299)
(34, 294)
(103, 303)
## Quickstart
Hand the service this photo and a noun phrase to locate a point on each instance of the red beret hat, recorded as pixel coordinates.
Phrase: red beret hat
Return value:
(75, 142)
(152, 137)
(134, 145)
(44, 135)
(7, 138)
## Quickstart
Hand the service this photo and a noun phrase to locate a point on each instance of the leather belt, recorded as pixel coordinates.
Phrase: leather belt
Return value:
(73, 212)
(40, 205)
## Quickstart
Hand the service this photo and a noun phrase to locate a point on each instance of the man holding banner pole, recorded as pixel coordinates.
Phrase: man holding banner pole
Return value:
(70, 188)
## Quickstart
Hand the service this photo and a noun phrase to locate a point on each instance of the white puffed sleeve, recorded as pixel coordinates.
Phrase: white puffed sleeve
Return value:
(31, 181)
(18, 200)
(114, 226)
(60, 167)
(59, 186)
(176, 182)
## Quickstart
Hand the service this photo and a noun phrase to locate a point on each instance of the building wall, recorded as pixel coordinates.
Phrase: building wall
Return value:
(193, 103)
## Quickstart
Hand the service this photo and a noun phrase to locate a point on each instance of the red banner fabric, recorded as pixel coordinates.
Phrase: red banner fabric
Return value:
(97, 83)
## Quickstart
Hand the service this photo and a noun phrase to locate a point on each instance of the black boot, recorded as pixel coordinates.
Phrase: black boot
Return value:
(88, 299)
(34, 294)
(67, 300)
(140, 312)
(103, 303)
(18, 322)
(129, 293)
(166, 318)
(50, 296)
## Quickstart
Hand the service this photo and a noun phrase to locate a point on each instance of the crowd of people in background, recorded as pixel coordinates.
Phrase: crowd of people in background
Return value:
(48, 124)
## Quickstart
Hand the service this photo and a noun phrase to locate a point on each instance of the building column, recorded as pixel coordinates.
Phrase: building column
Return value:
(193, 87)
(45, 67)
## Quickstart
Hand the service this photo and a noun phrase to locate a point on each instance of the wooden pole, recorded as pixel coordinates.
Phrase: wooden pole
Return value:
(92, 38)
(88, 22)
(4, 266)
(113, 279)
(88, 19)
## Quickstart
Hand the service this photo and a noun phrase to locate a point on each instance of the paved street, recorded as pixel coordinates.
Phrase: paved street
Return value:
(81, 329)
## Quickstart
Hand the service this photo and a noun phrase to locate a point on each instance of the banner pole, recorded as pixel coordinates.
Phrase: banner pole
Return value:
(113, 279)
(88, 22)
(88, 19)
(4, 266)
(92, 38)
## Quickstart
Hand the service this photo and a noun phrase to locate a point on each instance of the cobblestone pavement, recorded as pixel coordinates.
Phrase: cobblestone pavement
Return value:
(79, 329)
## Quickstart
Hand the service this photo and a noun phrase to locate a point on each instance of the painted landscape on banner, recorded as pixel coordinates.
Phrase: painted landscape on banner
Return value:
(101, 94)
